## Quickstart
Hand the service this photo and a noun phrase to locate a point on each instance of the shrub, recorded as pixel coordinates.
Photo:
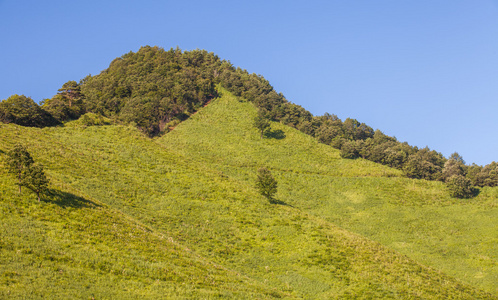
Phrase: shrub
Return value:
(22, 110)
(460, 187)
(266, 184)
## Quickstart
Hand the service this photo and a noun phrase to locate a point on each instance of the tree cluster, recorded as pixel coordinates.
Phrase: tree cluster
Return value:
(67, 104)
(22, 110)
(154, 89)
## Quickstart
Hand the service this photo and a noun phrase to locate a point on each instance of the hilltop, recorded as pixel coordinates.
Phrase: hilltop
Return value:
(179, 216)
(155, 90)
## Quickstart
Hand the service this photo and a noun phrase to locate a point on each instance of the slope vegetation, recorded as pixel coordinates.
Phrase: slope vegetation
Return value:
(179, 216)
(73, 246)
(415, 217)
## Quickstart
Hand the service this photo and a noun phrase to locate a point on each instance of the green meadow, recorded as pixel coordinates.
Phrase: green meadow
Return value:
(179, 216)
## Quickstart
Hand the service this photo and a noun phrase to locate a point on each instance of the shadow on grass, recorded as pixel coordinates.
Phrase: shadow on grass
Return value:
(65, 199)
(275, 134)
(2, 152)
(279, 202)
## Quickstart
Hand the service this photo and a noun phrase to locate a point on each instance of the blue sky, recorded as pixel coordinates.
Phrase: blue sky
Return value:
(424, 71)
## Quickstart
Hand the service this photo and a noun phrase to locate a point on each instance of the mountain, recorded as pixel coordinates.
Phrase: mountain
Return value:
(155, 90)
(178, 216)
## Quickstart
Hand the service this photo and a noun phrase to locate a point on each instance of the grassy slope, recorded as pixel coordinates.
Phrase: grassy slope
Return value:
(414, 217)
(73, 246)
(110, 182)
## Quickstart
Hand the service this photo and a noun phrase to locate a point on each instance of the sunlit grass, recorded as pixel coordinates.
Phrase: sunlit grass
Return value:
(416, 217)
(180, 215)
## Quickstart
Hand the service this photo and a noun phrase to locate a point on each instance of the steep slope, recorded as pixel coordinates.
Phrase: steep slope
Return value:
(414, 217)
(69, 247)
(208, 210)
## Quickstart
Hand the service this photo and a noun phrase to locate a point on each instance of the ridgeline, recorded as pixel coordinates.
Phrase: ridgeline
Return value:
(153, 194)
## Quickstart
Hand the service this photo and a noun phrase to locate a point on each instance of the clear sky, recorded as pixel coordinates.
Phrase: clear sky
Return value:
(424, 71)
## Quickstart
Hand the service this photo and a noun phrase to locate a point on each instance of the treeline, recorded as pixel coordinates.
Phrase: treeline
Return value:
(156, 89)
(355, 139)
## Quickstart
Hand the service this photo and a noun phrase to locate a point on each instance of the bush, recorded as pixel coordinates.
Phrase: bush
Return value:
(22, 110)
(266, 184)
(460, 187)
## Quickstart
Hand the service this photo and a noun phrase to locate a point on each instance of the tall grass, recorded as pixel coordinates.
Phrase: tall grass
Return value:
(180, 215)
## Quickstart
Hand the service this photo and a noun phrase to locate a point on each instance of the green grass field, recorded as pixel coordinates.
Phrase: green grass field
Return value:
(179, 217)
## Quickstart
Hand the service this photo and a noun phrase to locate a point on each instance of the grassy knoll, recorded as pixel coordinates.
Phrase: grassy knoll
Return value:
(180, 217)
(414, 217)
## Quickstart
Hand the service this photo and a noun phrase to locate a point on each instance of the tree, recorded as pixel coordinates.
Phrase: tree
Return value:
(453, 166)
(457, 157)
(460, 187)
(71, 91)
(22, 110)
(67, 104)
(29, 174)
(262, 124)
(266, 184)
(350, 149)
(18, 162)
(424, 164)
(36, 180)
(485, 176)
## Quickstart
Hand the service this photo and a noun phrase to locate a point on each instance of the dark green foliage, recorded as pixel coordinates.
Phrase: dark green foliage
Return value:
(484, 176)
(157, 89)
(67, 104)
(35, 180)
(354, 130)
(18, 162)
(457, 157)
(153, 87)
(329, 127)
(28, 174)
(460, 187)
(266, 184)
(453, 167)
(350, 149)
(424, 164)
(262, 124)
(179, 217)
(22, 110)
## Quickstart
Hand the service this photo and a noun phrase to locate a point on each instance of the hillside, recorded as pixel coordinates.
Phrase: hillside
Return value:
(73, 246)
(179, 216)
(155, 90)
(415, 217)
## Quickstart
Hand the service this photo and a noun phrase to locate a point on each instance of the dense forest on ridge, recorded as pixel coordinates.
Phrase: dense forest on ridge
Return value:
(156, 89)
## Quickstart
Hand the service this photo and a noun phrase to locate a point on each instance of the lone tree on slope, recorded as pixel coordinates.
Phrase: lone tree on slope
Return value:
(18, 163)
(266, 184)
(262, 124)
(29, 174)
(460, 186)
(36, 180)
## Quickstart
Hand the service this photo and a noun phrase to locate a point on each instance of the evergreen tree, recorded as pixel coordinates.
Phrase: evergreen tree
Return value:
(262, 124)
(18, 162)
(266, 184)
(29, 174)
